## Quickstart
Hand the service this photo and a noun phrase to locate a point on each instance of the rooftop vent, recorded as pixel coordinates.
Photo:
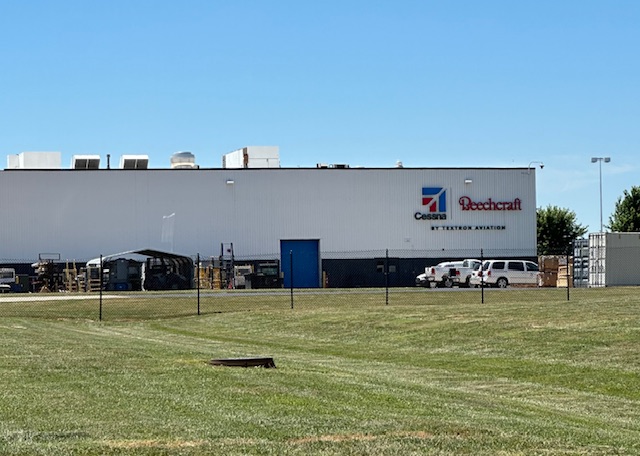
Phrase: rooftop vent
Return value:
(85, 162)
(134, 161)
(183, 160)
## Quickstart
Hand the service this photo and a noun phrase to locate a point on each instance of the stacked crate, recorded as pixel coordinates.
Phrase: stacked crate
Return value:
(565, 275)
(548, 265)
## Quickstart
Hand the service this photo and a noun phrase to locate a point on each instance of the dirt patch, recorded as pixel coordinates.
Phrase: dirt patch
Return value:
(155, 444)
(338, 438)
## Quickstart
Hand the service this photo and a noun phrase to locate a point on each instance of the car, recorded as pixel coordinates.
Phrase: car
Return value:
(502, 273)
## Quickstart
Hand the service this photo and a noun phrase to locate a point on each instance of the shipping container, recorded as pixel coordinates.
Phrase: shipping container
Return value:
(614, 259)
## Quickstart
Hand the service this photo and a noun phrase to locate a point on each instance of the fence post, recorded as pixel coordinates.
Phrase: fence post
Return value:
(100, 305)
(482, 275)
(291, 275)
(386, 277)
(198, 280)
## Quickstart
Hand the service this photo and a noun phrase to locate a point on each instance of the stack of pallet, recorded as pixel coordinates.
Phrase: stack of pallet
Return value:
(548, 276)
(565, 276)
(70, 277)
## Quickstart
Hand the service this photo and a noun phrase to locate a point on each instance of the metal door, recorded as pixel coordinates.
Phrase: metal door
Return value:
(300, 259)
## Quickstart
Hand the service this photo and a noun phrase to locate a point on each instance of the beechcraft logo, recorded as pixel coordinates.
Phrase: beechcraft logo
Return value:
(435, 198)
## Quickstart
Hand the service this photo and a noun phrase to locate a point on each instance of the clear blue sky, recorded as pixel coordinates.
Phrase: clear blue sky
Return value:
(431, 83)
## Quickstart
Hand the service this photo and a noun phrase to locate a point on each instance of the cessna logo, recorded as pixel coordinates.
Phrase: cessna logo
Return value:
(435, 201)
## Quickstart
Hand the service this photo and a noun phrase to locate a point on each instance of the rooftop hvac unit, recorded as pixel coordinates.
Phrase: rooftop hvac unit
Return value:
(183, 160)
(252, 157)
(35, 160)
(85, 162)
(134, 161)
(13, 161)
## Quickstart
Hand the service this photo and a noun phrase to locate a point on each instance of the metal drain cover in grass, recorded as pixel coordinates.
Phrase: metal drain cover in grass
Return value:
(244, 362)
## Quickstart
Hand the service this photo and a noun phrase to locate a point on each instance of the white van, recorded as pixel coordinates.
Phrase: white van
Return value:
(502, 273)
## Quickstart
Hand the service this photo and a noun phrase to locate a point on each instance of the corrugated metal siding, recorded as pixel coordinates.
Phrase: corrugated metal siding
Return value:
(614, 259)
(81, 214)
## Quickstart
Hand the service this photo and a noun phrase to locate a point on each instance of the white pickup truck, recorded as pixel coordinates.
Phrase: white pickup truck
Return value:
(448, 274)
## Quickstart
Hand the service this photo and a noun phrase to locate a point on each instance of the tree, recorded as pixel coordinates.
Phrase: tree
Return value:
(557, 228)
(626, 215)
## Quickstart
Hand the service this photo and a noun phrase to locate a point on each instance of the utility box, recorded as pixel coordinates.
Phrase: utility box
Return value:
(614, 259)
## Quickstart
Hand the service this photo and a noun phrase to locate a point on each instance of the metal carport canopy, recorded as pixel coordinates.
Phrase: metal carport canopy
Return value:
(131, 254)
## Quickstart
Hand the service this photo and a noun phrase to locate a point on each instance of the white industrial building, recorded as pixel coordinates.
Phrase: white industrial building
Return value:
(334, 220)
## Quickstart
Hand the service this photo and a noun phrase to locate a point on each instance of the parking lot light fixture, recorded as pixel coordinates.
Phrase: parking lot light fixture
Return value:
(531, 167)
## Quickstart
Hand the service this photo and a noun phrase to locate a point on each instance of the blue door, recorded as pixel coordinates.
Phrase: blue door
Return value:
(305, 254)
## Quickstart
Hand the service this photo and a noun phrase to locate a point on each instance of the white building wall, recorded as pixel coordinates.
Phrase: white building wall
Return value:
(82, 214)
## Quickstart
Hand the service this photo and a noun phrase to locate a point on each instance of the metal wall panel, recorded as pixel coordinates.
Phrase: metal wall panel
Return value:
(614, 259)
(83, 213)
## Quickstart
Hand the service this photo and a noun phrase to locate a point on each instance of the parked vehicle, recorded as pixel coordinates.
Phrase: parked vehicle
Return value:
(465, 271)
(239, 273)
(502, 273)
(473, 278)
(447, 274)
(7, 279)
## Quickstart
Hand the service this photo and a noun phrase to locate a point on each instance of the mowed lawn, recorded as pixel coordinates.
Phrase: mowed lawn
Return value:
(432, 373)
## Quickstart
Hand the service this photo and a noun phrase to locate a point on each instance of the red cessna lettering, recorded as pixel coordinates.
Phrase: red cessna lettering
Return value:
(468, 205)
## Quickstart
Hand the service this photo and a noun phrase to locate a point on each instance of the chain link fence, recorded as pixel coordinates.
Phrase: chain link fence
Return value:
(120, 288)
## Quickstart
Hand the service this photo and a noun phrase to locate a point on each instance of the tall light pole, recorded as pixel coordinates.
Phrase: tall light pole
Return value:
(600, 160)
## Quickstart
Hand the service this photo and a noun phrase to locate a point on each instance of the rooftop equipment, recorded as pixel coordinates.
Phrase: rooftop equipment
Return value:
(183, 160)
(85, 162)
(35, 160)
(252, 157)
(134, 162)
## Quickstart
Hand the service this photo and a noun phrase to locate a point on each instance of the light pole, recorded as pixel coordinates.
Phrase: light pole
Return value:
(600, 160)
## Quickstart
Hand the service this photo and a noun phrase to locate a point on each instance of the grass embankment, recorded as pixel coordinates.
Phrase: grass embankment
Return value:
(526, 373)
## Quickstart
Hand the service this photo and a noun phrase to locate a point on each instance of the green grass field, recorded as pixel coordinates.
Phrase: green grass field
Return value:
(432, 373)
